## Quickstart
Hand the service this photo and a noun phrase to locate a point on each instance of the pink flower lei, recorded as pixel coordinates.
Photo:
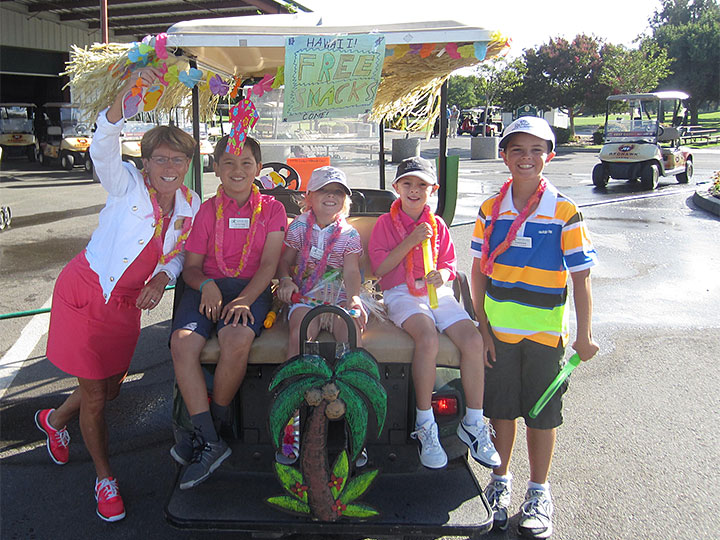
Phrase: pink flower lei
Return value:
(487, 259)
(319, 270)
(158, 216)
(256, 204)
(429, 217)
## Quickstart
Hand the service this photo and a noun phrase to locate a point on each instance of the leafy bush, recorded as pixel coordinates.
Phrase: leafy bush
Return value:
(562, 135)
(598, 135)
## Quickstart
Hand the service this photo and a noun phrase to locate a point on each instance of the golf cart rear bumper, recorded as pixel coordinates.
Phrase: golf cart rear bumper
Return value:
(428, 502)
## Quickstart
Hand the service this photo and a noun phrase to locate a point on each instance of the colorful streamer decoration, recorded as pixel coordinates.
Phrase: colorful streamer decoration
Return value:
(243, 118)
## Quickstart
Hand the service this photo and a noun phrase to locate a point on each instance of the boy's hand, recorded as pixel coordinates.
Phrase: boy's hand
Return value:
(210, 301)
(236, 312)
(286, 289)
(420, 233)
(355, 303)
(586, 348)
(489, 356)
(434, 278)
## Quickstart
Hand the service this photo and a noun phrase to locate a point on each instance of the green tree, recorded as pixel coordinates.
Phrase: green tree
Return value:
(690, 33)
(564, 74)
(626, 70)
(494, 78)
(462, 91)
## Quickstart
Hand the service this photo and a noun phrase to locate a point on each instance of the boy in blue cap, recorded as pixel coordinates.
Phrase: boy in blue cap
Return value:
(526, 240)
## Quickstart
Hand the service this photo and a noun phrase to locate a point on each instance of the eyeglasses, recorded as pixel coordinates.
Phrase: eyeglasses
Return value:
(163, 160)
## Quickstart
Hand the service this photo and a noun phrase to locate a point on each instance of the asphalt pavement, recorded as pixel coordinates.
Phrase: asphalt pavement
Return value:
(636, 457)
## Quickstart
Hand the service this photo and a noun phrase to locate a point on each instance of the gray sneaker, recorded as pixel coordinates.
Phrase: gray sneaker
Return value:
(431, 452)
(182, 451)
(207, 457)
(536, 514)
(498, 494)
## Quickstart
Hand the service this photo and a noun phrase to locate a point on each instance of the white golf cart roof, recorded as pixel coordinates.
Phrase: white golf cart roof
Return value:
(256, 44)
(669, 94)
(17, 105)
(59, 104)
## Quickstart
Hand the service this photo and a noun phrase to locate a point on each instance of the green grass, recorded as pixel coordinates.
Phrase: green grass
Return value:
(710, 120)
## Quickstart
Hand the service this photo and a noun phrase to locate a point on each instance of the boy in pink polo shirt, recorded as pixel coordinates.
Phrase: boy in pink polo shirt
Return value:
(397, 258)
(231, 255)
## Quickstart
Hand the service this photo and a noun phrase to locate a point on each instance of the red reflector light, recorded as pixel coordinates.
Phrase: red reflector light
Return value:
(445, 406)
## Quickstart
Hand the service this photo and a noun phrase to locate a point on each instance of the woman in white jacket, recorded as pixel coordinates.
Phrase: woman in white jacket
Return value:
(137, 249)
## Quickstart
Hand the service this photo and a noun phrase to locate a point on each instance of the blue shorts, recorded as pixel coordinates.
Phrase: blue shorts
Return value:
(188, 316)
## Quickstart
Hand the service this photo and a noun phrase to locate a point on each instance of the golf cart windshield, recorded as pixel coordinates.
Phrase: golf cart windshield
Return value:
(632, 120)
(15, 119)
(71, 124)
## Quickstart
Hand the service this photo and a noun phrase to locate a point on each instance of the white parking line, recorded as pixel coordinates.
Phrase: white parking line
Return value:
(21, 350)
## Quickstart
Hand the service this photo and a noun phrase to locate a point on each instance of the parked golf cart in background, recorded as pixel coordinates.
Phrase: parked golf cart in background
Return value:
(66, 137)
(17, 131)
(641, 140)
(471, 122)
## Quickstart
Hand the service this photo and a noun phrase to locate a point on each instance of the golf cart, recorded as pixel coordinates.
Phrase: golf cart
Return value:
(250, 492)
(472, 120)
(17, 131)
(642, 136)
(66, 138)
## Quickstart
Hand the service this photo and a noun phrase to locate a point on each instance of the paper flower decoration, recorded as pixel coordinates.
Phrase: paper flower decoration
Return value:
(190, 77)
(160, 44)
(243, 118)
(265, 85)
(217, 86)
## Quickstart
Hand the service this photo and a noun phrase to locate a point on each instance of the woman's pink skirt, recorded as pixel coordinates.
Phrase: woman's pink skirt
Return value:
(89, 338)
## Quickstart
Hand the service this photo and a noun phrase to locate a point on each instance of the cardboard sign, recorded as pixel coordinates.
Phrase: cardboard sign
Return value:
(331, 76)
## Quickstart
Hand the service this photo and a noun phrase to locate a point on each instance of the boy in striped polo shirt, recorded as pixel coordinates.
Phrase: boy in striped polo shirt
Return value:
(519, 289)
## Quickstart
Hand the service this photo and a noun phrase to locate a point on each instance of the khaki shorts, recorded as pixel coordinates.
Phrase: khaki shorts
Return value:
(521, 374)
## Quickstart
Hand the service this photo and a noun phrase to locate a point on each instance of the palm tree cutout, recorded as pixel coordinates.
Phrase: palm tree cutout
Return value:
(315, 489)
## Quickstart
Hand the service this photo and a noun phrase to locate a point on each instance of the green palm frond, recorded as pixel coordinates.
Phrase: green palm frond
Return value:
(285, 403)
(306, 364)
(291, 478)
(370, 388)
(357, 486)
(358, 359)
(289, 504)
(360, 511)
(340, 469)
(356, 416)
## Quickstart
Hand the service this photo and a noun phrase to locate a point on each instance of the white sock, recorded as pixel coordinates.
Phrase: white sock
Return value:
(506, 478)
(544, 487)
(422, 417)
(473, 416)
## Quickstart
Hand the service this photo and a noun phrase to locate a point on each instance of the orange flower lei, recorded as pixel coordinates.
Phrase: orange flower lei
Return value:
(428, 216)
(256, 203)
(158, 216)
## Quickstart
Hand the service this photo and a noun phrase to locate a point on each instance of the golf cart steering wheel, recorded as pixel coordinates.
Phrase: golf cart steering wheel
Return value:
(276, 174)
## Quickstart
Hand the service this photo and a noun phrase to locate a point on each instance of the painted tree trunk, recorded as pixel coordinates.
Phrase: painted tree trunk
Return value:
(314, 464)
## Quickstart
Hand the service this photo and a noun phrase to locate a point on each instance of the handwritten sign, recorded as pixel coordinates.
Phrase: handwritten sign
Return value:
(331, 76)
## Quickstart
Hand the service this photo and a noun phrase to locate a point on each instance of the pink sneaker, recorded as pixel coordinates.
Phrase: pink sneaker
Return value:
(57, 439)
(110, 505)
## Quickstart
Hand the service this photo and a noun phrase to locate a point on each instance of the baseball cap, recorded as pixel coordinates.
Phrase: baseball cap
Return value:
(323, 176)
(416, 166)
(532, 125)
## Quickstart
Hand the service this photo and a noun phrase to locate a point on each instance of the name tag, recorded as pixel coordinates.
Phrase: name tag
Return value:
(239, 223)
(316, 252)
(522, 242)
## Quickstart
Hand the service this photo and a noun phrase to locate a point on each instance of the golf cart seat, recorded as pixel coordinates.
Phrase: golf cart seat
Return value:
(385, 341)
(668, 134)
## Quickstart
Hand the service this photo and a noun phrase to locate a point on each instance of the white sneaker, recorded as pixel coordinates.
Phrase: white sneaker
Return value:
(477, 438)
(431, 453)
(536, 514)
(499, 494)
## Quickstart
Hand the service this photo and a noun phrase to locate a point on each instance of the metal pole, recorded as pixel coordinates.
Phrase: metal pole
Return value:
(381, 126)
(197, 160)
(104, 27)
(442, 152)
